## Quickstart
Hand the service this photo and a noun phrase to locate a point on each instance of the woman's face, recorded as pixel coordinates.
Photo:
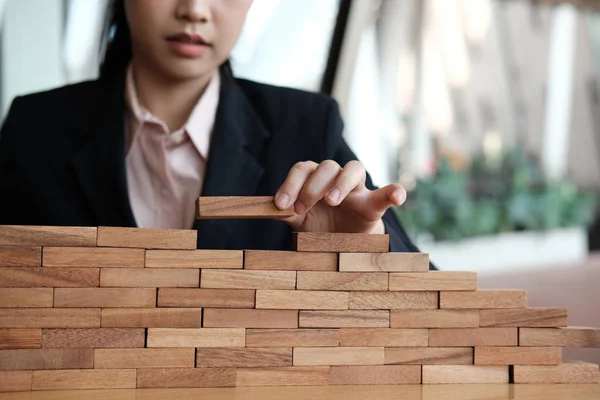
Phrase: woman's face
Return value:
(184, 39)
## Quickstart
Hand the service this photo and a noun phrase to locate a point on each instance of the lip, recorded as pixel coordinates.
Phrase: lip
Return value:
(188, 45)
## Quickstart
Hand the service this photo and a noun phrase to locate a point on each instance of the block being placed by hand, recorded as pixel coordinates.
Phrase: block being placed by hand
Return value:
(341, 242)
(232, 207)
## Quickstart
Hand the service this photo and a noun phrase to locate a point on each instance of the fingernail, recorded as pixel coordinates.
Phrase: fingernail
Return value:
(299, 207)
(334, 195)
(282, 200)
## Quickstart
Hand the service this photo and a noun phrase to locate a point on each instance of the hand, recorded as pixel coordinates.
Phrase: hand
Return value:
(329, 198)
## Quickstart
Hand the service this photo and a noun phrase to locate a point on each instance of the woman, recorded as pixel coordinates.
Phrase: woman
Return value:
(167, 122)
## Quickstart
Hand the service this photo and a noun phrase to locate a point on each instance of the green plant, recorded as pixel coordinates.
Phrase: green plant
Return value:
(486, 199)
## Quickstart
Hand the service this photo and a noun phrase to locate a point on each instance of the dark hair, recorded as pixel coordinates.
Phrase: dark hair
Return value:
(115, 44)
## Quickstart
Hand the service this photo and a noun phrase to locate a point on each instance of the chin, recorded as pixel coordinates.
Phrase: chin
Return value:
(188, 70)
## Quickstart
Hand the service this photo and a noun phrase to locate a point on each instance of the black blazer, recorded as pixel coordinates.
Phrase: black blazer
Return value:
(62, 158)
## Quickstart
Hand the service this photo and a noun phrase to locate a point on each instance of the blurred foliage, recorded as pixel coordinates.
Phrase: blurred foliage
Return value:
(487, 198)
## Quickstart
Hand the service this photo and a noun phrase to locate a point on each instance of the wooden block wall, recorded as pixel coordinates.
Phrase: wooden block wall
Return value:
(106, 308)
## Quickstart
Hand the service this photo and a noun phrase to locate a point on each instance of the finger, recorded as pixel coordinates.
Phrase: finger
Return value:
(317, 185)
(382, 199)
(290, 189)
(353, 176)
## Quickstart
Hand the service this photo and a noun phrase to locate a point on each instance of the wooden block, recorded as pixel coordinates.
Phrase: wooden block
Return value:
(49, 277)
(290, 260)
(429, 355)
(232, 279)
(194, 259)
(185, 377)
(76, 379)
(244, 318)
(216, 298)
(292, 337)
(86, 257)
(529, 317)
(571, 336)
(147, 238)
(393, 300)
(149, 277)
(383, 337)
(49, 318)
(340, 319)
(152, 317)
(283, 376)
(385, 262)
(464, 374)
(484, 299)
(26, 297)
(376, 375)
(15, 381)
(569, 372)
(338, 356)
(433, 280)
(434, 318)
(456, 337)
(144, 358)
(96, 338)
(20, 338)
(196, 337)
(46, 359)
(309, 280)
(105, 297)
(246, 207)
(244, 357)
(20, 256)
(518, 355)
(341, 242)
(301, 300)
(20, 235)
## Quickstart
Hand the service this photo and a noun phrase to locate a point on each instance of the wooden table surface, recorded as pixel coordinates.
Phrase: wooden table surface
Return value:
(423, 392)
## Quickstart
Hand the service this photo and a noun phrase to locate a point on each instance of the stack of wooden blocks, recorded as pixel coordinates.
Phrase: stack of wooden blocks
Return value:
(106, 307)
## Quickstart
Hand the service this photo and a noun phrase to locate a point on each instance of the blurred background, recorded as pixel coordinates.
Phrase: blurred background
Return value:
(488, 111)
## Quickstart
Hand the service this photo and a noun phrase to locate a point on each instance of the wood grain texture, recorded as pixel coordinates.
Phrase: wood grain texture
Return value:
(105, 297)
(305, 356)
(147, 238)
(196, 337)
(242, 207)
(292, 337)
(242, 279)
(341, 242)
(434, 318)
(283, 376)
(376, 375)
(383, 337)
(20, 235)
(518, 355)
(144, 358)
(433, 280)
(529, 317)
(345, 319)
(569, 372)
(152, 317)
(20, 338)
(75, 379)
(26, 297)
(289, 260)
(216, 298)
(95, 338)
(20, 256)
(148, 378)
(194, 259)
(464, 374)
(244, 357)
(351, 281)
(46, 359)
(86, 257)
(484, 299)
(49, 317)
(429, 355)
(49, 277)
(245, 318)
(15, 381)
(571, 336)
(384, 262)
(301, 300)
(455, 337)
(149, 277)
(393, 300)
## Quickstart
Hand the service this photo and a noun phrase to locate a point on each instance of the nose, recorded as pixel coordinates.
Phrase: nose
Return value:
(194, 10)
